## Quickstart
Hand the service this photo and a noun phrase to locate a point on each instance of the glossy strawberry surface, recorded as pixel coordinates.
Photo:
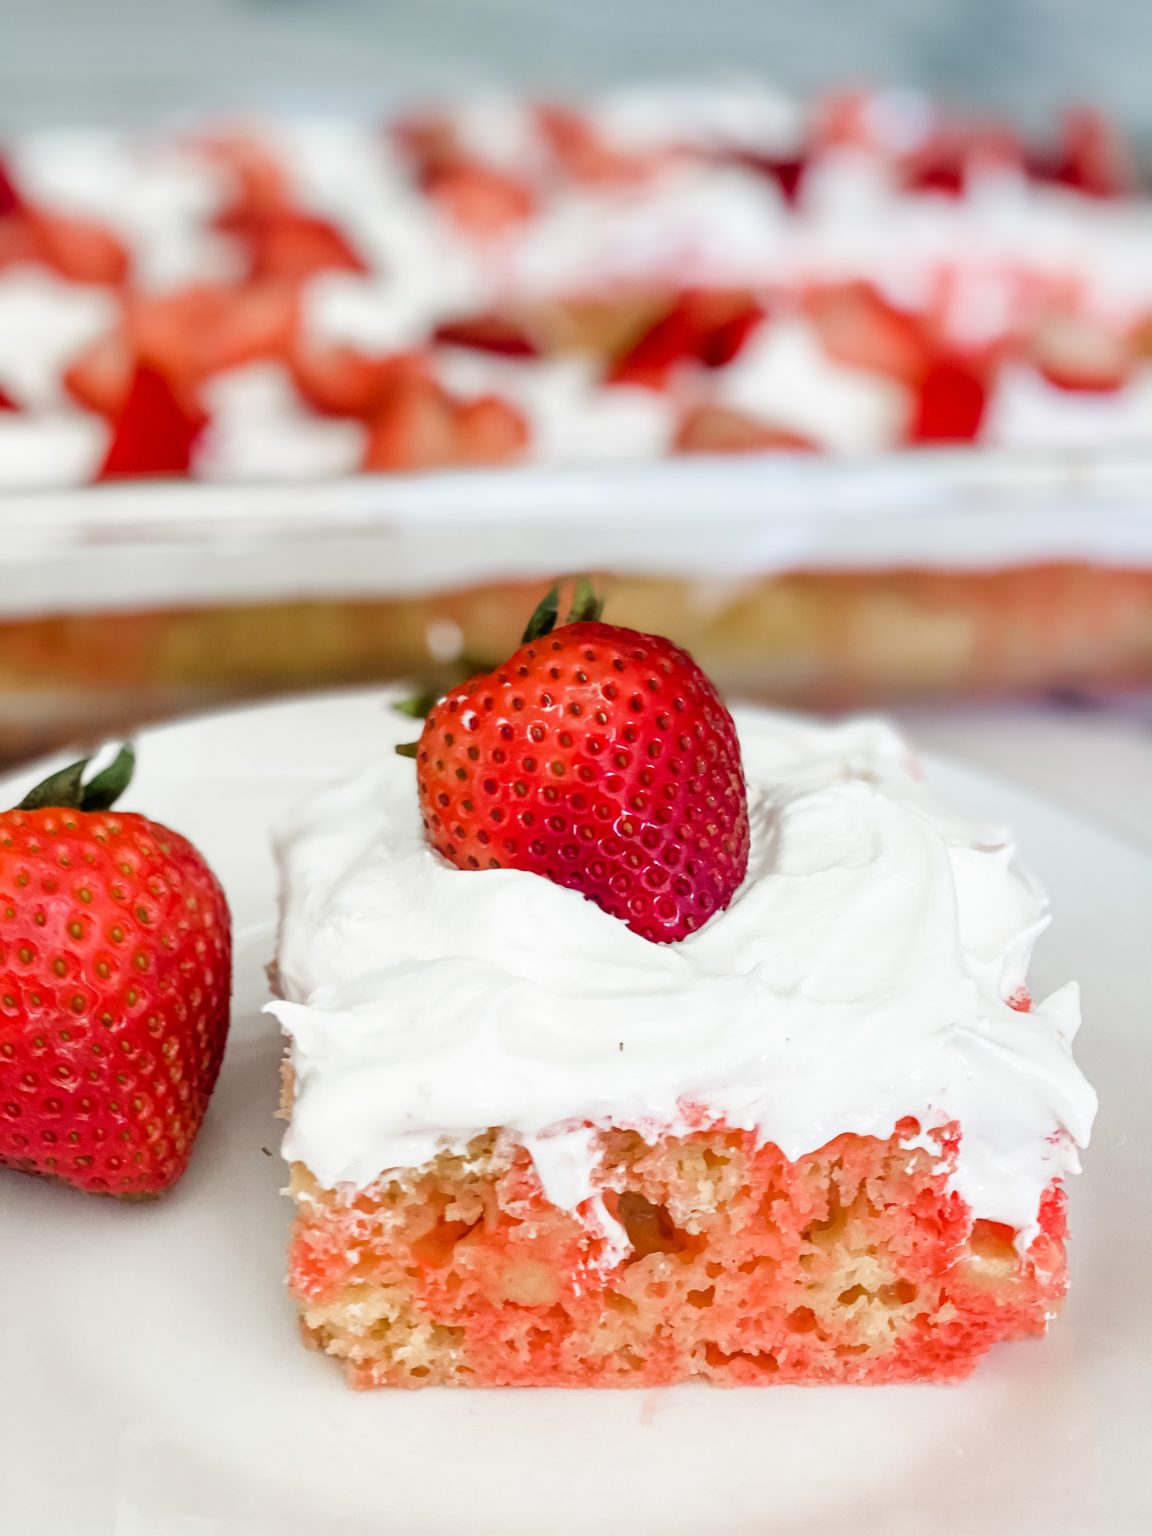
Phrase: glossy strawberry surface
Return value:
(602, 759)
(115, 976)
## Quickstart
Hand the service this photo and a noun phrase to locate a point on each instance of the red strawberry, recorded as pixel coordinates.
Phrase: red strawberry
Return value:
(651, 359)
(716, 429)
(79, 249)
(115, 972)
(11, 202)
(292, 247)
(583, 152)
(1077, 352)
(1092, 156)
(339, 380)
(723, 341)
(179, 336)
(155, 431)
(951, 402)
(489, 431)
(704, 327)
(491, 332)
(18, 244)
(600, 758)
(100, 375)
(429, 140)
(479, 198)
(261, 183)
(858, 327)
(254, 322)
(413, 429)
(787, 173)
(955, 151)
(6, 401)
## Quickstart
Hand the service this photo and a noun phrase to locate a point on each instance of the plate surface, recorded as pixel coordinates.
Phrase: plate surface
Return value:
(151, 1383)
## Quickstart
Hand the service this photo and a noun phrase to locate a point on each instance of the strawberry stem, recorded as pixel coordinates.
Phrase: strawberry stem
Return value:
(417, 705)
(544, 616)
(586, 607)
(66, 789)
(104, 789)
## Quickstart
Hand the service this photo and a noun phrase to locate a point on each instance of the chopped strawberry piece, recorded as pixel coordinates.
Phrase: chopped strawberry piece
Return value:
(705, 327)
(339, 380)
(11, 202)
(951, 402)
(252, 323)
(261, 183)
(650, 360)
(858, 327)
(100, 376)
(171, 335)
(490, 431)
(155, 433)
(79, 249)
(1078, 352)
(292, 247)
(186, 336)
(716, 429)
(787, 173)
(180, 336)
(950, 155)
(6, 401)
(429, 141)
(843, 120)
(166, 333)
(414, 428)
(491, 332)
(1021, 1000)
(725, 341)
(18, 244)
(1093, 157)
(940, 167)
(583, 152)
(482, 200)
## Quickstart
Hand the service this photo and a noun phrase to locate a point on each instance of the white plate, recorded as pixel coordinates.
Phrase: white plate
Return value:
(151, 1382)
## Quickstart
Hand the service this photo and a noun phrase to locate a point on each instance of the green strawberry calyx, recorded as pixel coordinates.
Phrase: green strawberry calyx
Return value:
(586, 607)
(66, 789)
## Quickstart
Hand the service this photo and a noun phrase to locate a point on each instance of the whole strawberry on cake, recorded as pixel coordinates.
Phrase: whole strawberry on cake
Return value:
(631, 1040)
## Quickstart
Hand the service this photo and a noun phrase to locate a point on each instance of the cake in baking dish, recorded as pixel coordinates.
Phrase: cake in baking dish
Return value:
(629, 1042)
(658, 271)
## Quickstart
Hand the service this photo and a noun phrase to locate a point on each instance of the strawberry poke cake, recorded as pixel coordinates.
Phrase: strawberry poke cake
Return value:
(631, 1040)
(491, 281)
(648, 286)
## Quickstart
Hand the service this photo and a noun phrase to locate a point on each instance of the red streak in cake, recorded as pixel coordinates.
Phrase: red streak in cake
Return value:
(853, 1264)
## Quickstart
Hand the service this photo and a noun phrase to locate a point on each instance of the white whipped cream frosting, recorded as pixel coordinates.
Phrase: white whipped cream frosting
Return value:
(858, 977)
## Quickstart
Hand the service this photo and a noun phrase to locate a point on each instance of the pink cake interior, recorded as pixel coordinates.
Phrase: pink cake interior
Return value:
(852, 1264)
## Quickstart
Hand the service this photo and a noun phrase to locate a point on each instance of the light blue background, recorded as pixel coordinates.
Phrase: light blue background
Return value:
(78, 60)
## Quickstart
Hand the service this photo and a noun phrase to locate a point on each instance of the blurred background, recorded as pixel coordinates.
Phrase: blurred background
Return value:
(68, 60)
(704, 327)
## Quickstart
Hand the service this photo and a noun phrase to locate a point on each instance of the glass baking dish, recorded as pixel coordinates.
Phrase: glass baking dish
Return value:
(816, 582)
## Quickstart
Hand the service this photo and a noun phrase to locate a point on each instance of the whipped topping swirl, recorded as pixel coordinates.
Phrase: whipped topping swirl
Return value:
(859, 976)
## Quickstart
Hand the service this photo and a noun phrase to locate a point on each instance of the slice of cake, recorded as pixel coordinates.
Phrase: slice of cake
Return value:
(629, 1044)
